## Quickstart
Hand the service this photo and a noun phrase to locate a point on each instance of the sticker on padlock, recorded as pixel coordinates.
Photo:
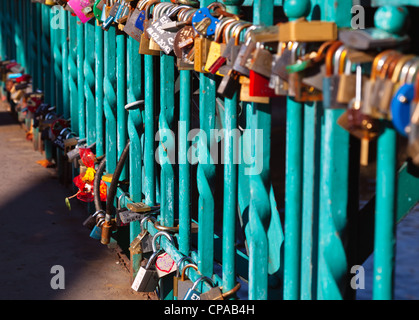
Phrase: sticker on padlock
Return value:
(164, 264)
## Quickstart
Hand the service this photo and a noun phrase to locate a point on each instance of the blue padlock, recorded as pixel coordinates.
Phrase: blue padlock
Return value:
(400, 108)
(201, 15)
(193, 293)
(96, 233)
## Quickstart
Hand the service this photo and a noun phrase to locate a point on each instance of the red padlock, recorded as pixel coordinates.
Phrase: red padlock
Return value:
(259, 86)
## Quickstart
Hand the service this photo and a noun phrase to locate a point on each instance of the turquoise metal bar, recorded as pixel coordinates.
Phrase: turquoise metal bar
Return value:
(65, 67)
(149, 161)
(167, 140)
(121, 89)
(99, 91)
(89, 81)
(231, 138)
(72, 67)
(81, 104)
(184, 165)
(110, 99)
(56, 35)
(259, 206)
(135, 129)
(293, 187)
(206, 172)
(47, 70)
(385, 215)
(20, 54)
(332, 260)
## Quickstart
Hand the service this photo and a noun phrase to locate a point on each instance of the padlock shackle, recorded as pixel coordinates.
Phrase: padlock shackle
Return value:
(399, 66)
(152, 259)
(329, 57)
(159, 234)
(180, 262)
(147, 217)
(191, 265)
(125, 194)
(378, 62)
(220, 27)
(148, 7)
(237, 30)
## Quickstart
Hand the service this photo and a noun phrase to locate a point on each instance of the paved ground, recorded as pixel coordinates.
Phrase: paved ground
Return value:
(37, 232)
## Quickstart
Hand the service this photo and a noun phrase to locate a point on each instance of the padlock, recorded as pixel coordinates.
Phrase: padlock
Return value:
(130, 27)
(165, 265)
(110, 17)
(146, 279)
(400, 108)
(201, 45)
(372, 85)
(79, 8)
(371, 38)
(359, 122)
(215, 58)
(145, 39)
(302, 30)
(143, 243)
(119, 210)
(204, 22)
(332, 78)
(193, 293)
(347, 82)
(180, 284)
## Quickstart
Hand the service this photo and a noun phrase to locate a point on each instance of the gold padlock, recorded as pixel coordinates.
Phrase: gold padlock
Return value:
(201, 53)
(302, 30)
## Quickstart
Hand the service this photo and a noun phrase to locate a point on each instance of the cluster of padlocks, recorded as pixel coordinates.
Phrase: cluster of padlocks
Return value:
(364, 72)
(29, 105)
(358, 70)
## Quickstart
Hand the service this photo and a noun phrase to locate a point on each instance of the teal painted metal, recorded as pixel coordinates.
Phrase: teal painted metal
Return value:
(332, 264)
(72, 68)
(99, 91)
(231, 138)
(56, 41)
(206, 172)
(121, 97)
(81, 104)
(89, 82)
(166, 148)
(184, 165)
(47, 71)
(65, 67)
(385, 215)
(135, 130)
(149, 162)
(259, 207)
(110, 99)
(317, 192)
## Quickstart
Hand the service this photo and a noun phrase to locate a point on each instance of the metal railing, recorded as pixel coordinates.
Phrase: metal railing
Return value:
(90, 75)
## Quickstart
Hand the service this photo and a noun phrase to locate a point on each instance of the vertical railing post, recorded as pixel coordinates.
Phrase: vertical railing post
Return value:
(65, 66)
(149, 160)
(89, 81)
(135, 129)
(167, 140)
(391, 19)
(110, 98)
(121, 89)
(293, 180)
(333, 197)
(206, 172)
(81, 106)
(231, 138)
(72, 67)
(184, 165)
(99, 91)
